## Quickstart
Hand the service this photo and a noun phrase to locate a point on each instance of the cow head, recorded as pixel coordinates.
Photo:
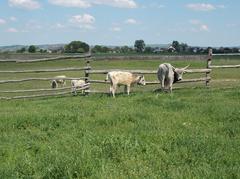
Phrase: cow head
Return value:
(54, 84)
(141, 80)
(178, 73)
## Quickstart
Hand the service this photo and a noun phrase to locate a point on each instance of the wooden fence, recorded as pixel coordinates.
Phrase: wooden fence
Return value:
(88, 71)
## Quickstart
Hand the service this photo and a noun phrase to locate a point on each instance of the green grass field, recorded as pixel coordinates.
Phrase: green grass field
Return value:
(192, 133)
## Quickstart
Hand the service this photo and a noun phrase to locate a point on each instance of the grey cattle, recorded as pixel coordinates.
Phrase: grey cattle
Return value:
(168, 75)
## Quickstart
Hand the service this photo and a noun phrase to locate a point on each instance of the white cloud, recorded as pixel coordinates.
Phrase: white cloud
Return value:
(25, 4)
(116, 29)
(13, 18)
(204, 27)
(131, 21)
(2, 21)
(71, 3)
(84, 21)
(198, 26)
(89, 3)
(201, 7)
(12, 30)
(117, 3)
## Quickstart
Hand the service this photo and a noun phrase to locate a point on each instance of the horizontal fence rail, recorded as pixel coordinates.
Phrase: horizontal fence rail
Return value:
(62, 57)
(39, 79)
(145, 71)
(157, 82)
(55, 58)
(42, 90)
(225, 66)
(48, 70)
(42, 95)
(226, 54)
(182, 81)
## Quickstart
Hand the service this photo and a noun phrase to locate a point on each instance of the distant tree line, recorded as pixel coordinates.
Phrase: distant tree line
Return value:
(138, 47)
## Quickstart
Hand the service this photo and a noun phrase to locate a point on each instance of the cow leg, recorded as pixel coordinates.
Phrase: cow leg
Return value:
(170, 86)
(128, 89)
(162, 84)
(111, 88)
(114, 87)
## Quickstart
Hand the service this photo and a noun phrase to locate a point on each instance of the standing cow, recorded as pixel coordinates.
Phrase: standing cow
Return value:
(128, 79)
(168, 75)
(77, 84)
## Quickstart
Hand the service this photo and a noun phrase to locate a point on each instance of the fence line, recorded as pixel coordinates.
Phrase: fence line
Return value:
(38, 79)
(145, 71)
(41, 95)
(157, 82)
(55, 58)
(48, 70)
(225, 66)
(226, 54)
(42, 90)
(182, 81)
(221, 66)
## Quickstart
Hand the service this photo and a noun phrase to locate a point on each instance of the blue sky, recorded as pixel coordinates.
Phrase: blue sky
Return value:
(120, 22)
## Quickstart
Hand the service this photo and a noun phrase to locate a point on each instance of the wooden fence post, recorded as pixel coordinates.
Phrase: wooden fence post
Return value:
(87, 73)
(209, 62)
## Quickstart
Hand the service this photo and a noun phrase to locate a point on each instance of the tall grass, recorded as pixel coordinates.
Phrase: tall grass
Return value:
(190, 134)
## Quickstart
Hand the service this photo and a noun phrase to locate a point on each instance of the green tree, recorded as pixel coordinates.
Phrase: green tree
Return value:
(22, 50)
(176, 45)
(148, 50)
(139, 45)
(77, 47)
(100, 49)
(125, 49)
(32, 49)
(183, 47)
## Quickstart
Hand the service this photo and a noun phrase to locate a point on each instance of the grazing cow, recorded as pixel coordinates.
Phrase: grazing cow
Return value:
(128, 79)
(168, 75)
(58, 81)
(77, 84)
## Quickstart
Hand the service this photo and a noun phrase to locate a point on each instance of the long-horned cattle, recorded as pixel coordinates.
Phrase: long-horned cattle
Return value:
(127, 79)
(59, 80)
(77, 84)
(167, 75)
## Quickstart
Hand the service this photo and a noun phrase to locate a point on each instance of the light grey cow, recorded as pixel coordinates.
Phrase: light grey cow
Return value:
(127, 79)
(167, 75)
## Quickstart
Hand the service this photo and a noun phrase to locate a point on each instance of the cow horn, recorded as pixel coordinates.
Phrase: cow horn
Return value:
(186, 67)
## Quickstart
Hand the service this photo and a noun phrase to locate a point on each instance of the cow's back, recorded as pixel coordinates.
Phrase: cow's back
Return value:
(120, 77)
(164, 71)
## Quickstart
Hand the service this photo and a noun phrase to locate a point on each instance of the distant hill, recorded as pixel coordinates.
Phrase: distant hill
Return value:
(44, 47)
(158, 45)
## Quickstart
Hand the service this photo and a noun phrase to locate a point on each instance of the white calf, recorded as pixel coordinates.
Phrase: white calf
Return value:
(58, 81)
(77, 84)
